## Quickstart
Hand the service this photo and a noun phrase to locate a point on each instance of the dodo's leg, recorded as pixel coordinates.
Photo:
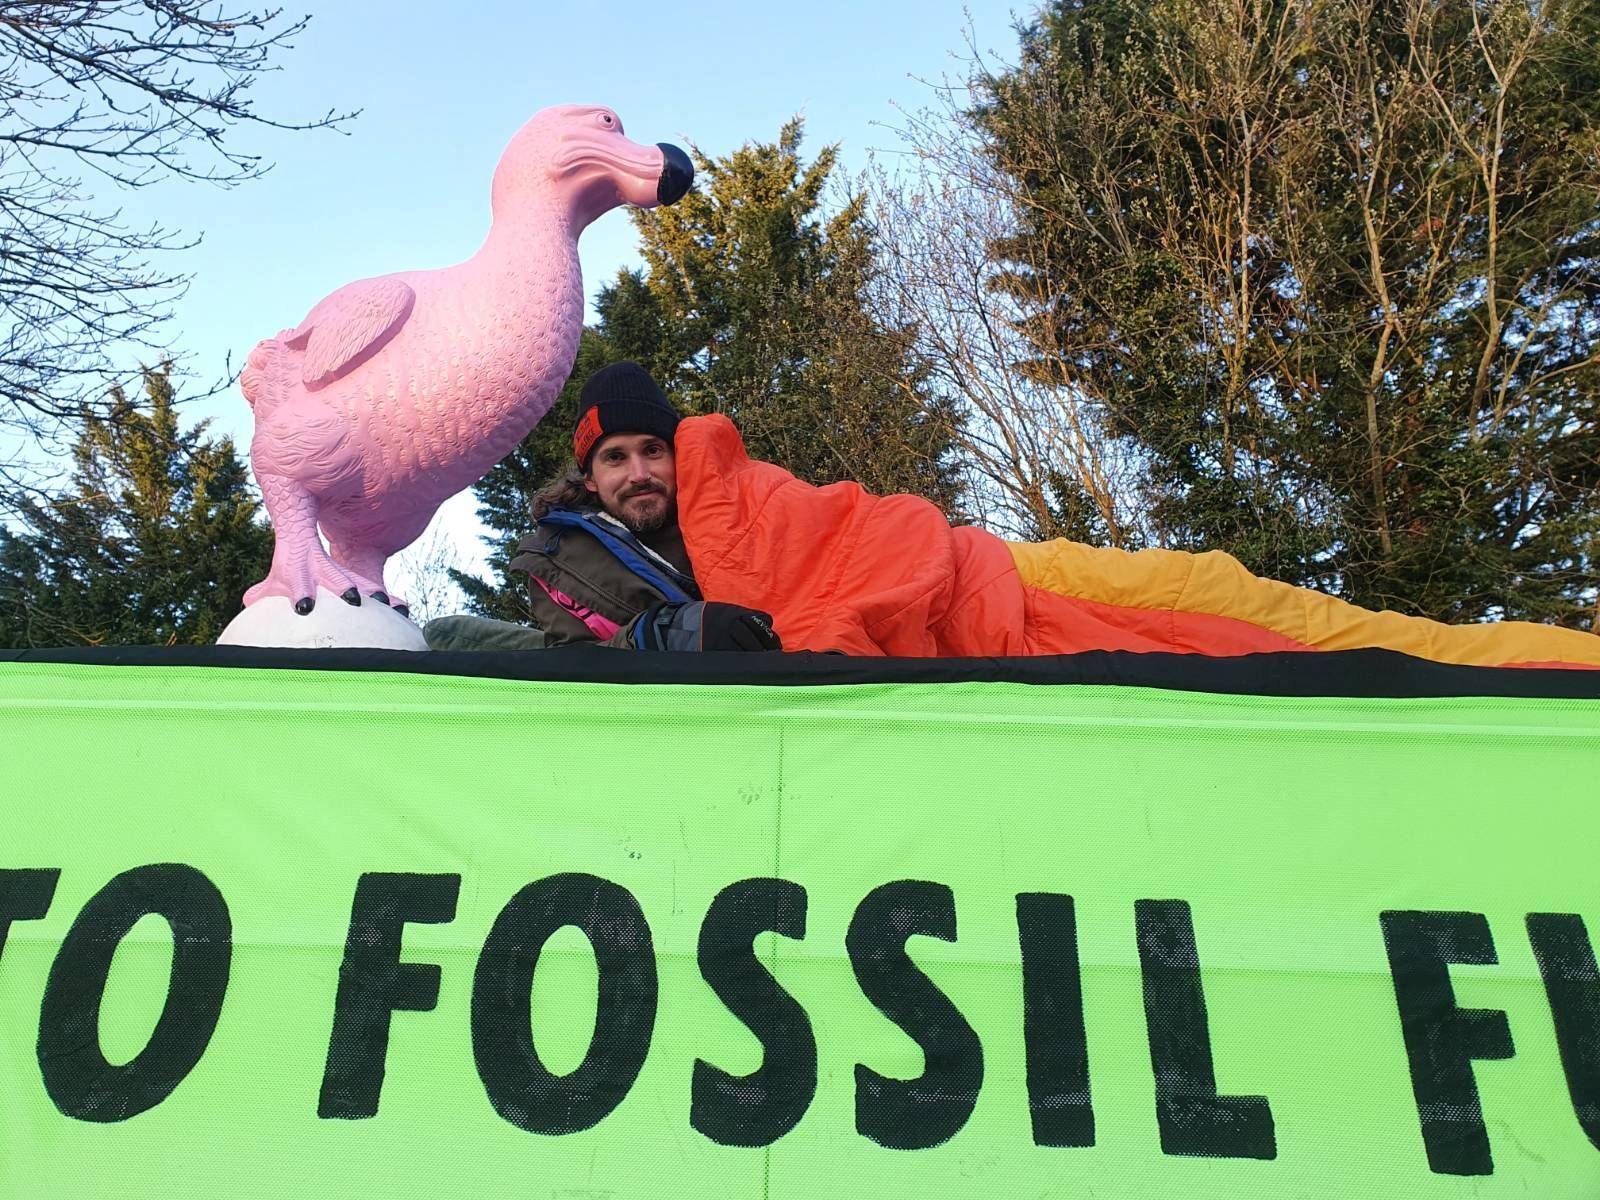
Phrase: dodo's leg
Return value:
(355, 544)
(367, 564)
(299, 563)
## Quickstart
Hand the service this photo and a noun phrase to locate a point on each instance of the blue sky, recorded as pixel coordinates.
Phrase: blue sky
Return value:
(443, 87)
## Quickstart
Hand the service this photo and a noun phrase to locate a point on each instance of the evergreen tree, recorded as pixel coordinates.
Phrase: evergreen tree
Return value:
(752, 304)
(1330, 273)
(505, 494)
(154, 542)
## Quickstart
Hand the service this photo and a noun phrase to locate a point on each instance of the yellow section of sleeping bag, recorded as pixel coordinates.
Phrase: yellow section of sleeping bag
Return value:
(1216, 585)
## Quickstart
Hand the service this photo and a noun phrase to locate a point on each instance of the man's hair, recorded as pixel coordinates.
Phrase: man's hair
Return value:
(568, 491)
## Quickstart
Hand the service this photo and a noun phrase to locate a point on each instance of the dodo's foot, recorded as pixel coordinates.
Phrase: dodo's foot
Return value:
(296, 575)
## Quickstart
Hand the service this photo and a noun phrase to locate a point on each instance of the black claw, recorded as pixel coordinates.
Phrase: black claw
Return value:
(403, 609)
(350, 596)
(381, 597)
(304, 605)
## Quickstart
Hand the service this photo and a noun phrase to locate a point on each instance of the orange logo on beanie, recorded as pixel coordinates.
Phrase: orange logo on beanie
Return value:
(585, 436)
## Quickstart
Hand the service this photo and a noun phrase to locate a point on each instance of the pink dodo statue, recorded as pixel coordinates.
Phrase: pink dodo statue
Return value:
(395, 393)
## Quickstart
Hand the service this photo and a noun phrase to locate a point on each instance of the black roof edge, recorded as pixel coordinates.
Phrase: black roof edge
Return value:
(1352, 673)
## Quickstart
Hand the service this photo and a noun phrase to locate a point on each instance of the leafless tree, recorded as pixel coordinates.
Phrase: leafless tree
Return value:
(422, 574)
(96, 96)
(1039, 457)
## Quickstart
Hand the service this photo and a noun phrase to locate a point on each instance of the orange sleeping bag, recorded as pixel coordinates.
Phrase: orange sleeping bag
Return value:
(841, 569)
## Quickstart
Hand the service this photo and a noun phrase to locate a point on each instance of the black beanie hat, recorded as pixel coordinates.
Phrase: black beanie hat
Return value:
(621, 398)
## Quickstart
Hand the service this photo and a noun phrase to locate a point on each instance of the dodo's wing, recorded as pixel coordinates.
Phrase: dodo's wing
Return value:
(350, 326)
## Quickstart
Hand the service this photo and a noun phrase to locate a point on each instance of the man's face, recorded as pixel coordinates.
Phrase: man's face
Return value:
(635, 478)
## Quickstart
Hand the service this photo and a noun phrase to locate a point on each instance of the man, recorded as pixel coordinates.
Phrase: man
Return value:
(838, 568)
(606, 562)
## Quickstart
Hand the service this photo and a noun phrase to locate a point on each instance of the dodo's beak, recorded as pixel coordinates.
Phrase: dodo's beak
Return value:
(677, 173)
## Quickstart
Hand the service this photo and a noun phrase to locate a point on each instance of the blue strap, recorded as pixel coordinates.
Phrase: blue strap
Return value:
(628, 551)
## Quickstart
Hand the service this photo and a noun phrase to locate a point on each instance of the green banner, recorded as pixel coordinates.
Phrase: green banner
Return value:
(281, 933)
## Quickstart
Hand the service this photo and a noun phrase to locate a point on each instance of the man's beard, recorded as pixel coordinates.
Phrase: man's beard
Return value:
(649, 520)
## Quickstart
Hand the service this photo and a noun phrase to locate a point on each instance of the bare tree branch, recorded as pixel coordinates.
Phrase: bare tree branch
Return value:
(125, 92)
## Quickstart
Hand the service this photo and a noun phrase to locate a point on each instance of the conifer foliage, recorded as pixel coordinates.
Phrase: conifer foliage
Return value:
(505, 494)
(153, 542)
(1331, 273)
(756, 304)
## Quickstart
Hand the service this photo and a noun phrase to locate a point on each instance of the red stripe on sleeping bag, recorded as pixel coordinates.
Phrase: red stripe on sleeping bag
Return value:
(1060, 624)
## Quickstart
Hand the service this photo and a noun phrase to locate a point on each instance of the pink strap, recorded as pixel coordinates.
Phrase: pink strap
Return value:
(598, 625)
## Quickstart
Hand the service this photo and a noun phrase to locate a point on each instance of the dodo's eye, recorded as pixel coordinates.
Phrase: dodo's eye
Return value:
(607, 121)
